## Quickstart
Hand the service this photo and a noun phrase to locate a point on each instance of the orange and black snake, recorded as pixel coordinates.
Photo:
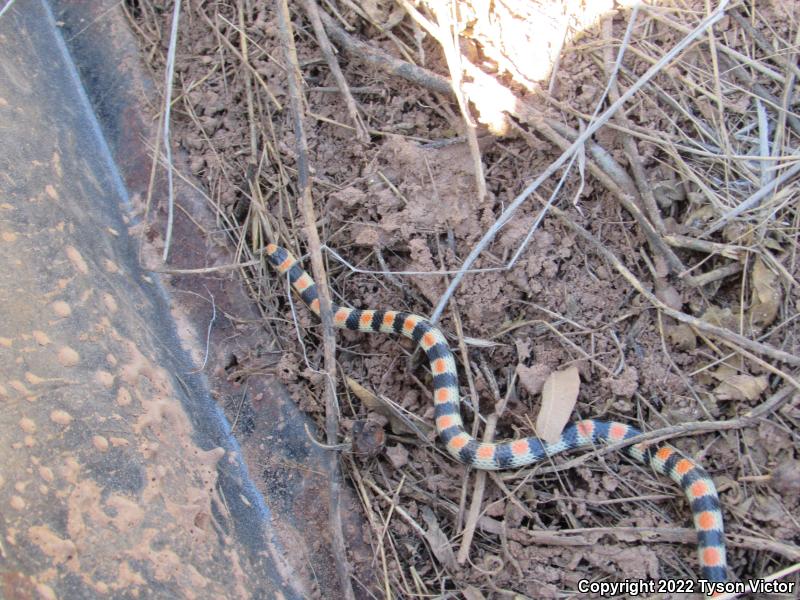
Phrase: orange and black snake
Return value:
(693, 479)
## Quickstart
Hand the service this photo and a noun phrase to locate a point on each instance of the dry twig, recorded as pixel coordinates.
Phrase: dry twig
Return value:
(386, 62)
(318, 269)
(313, 13)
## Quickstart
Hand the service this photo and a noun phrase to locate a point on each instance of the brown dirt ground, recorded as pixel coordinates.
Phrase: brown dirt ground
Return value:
(407, 201)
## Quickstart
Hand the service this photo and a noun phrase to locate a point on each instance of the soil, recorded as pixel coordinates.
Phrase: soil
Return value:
(406, 200)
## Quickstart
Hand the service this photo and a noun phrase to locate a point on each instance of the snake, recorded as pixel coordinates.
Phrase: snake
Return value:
(664, 459)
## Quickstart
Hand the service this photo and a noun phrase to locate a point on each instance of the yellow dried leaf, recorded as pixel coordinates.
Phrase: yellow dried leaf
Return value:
(370, 400)
(724, 372)
(721, 317)
(741, 387)
(767, 294)
(397, 421)
(764, 280)
(559, 395)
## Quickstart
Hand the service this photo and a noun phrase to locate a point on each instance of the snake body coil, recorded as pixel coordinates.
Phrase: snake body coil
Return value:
(693, 479)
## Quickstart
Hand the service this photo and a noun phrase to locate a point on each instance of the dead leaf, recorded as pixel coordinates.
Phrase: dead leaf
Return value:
(369, 436)
(524, 349)
(743, 509)
(370, 400)
(668, 192)
(768, 508)
(496, 508)
(375, 10)
(737, 233)
(767, 294)
(533, 378)
(786, 477)
(721, 317)
(472, 593)
(668, 294)
(559, 396)
(397, 421)
(701, 215)
(682, 337)
(741, 387)
(661, 268)
(437, 540)
(397, 455)
(706, 108)
(724, 371)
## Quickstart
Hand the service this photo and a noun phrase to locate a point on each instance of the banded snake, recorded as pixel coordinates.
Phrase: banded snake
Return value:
(664, 459)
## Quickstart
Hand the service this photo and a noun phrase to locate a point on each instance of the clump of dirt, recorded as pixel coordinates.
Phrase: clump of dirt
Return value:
(667, 274)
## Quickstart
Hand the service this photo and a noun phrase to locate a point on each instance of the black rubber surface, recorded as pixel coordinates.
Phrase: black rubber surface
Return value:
(120, 477)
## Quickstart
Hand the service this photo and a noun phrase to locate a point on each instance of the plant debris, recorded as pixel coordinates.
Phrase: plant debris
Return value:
(666, 270)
